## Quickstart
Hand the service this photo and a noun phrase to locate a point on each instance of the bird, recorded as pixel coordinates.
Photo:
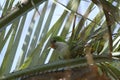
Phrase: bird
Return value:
(64, 49)
(61, 47)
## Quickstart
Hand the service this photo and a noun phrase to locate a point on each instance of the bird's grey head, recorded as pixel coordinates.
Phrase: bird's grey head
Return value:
(57, 42)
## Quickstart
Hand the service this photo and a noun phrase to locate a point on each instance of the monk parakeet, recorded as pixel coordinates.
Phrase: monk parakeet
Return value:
(64, 50)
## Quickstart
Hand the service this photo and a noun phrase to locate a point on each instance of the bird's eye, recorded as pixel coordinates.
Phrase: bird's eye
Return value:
(54, 41)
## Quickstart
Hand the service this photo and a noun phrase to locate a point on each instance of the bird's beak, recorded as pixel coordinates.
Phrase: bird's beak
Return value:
(51, 46)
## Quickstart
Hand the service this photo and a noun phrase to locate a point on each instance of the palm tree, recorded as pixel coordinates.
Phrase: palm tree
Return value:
(26, 28)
